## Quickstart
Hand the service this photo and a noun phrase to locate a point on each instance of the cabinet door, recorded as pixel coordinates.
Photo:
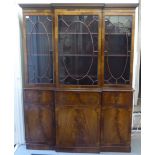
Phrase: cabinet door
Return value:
(118, 48)
(116, 120)
(77, 120)
(39, 119)
(38, 48)
(78, 47)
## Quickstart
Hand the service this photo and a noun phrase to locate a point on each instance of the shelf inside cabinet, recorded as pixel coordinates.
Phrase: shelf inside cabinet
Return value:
(39, 33)
(77, 33)
(129, 34)
(77, 55)
(40, 54)
(116, 55)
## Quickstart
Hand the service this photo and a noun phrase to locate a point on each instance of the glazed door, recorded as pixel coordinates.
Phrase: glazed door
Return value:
(78, 47)
(39, 70)
(118, 47)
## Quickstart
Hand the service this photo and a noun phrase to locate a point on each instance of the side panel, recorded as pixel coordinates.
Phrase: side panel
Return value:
(116, 121)
(78, 121)
(39, 119)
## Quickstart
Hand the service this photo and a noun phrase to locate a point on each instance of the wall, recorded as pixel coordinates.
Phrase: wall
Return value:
(9, 51)
(137, 50)
(19, 125)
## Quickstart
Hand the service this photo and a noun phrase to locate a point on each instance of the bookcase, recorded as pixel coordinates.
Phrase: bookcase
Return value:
(78, 64)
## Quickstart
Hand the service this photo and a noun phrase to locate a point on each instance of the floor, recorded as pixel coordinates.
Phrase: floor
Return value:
(137, 116)
(136, 149)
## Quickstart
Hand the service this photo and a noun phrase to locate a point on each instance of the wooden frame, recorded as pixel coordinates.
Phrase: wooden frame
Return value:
(101, 36)
(36, 13)
(78, 12)
(122, 12)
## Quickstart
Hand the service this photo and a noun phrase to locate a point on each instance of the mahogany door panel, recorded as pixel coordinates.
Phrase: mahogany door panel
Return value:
(77, 126)
(115, 126)
(116, 118)
(77, 119)
(39, 123)
(39, 118)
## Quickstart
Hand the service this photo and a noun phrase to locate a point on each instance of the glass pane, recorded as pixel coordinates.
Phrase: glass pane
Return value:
(117, 50)
(78, 50)
(39, 47)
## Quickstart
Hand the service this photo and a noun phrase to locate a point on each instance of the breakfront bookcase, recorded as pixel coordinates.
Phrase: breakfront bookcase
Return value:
(78, 64)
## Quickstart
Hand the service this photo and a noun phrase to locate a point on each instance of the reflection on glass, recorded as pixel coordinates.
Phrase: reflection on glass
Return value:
(117, 50)
(78, 50)
(39, 47)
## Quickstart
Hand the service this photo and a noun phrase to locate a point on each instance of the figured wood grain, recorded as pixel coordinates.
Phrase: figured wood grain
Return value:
(39, 97)
(77, 127)
(77, 119)
(38, 122)
(39, 117)
(116, 126)
(77, 98)
(116, 118)
(116, 98)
